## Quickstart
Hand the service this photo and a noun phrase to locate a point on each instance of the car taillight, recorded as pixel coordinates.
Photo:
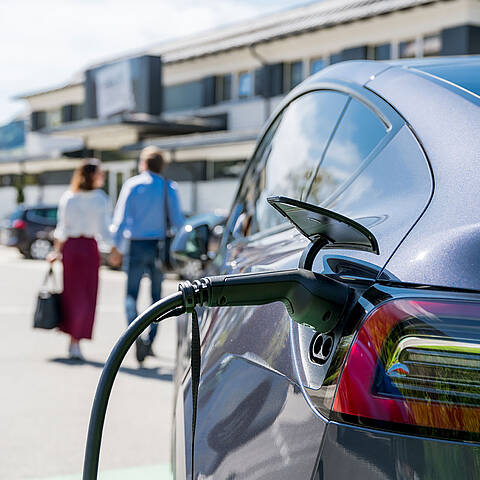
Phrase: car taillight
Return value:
(415, 363)
(19, 224)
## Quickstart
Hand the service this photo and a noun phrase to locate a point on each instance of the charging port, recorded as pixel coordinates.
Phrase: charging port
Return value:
(321, 348)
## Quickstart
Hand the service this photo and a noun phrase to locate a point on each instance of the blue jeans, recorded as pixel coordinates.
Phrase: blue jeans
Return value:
(141, 260)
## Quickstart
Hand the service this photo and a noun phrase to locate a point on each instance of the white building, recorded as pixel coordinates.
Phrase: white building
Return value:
(203, 99)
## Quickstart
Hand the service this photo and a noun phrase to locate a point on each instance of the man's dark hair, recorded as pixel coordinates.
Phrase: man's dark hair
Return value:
(153, 158)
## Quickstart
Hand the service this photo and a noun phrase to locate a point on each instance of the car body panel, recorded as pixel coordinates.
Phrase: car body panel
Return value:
(447, 237)
(265, 419)
(248, 394)
(352, 452)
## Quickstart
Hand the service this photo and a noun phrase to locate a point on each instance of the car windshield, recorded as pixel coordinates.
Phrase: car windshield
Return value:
(464, 75)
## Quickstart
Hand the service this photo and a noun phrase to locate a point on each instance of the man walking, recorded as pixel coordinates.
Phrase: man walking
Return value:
(146, 205)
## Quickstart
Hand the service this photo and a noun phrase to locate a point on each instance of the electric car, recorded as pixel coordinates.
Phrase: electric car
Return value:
(368, 172)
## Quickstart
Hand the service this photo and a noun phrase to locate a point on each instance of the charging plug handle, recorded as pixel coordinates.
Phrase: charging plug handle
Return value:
(311, 299)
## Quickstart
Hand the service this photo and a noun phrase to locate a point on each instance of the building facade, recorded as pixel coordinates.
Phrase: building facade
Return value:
(204, 99)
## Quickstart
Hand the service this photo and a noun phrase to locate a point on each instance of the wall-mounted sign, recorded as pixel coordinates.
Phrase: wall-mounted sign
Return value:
(133, 85)
(114, 89)
(12, 135)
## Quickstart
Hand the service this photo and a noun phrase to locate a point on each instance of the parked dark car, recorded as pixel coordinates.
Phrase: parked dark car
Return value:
(391, 153)
(31, 230)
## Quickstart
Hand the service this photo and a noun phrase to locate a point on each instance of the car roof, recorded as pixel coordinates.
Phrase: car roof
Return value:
(438, 97)
(40, 206)
(362, 71)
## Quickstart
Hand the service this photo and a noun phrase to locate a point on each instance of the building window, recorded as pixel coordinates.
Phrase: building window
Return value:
(53, 118)
(38, 120)
(183, 96)
(224, 88)
(336, 58)
(270, 80)
(245, 84)
(77, 112)
(379, 52)
(317, 64)
(432, 45)
(226, 169)
(293, 74)
(408, 49)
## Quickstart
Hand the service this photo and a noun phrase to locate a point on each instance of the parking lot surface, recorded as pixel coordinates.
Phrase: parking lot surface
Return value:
(46, 398)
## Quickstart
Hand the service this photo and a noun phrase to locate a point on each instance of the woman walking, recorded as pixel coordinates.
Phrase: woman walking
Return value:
(83, 218)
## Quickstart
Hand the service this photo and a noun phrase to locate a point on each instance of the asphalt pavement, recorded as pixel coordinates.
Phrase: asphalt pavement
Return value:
(46, 398)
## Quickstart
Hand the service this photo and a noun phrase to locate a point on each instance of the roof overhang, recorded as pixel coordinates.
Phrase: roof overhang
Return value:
(38, 165)
(39, 146)
(215, 146)
(120, 130)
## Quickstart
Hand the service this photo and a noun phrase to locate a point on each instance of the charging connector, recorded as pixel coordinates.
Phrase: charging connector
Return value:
(311, 299)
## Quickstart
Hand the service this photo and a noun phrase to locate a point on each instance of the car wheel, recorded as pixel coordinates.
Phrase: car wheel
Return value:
(39, 249)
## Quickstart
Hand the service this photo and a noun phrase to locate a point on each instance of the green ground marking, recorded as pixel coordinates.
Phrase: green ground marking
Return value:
(151, 472)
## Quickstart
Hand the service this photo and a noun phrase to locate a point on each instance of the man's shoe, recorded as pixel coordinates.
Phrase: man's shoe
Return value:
(141, 350)
(150, 352)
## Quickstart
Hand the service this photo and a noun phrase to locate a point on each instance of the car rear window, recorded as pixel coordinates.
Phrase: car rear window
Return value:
(465, 75)
(48, 215)
(357, 134)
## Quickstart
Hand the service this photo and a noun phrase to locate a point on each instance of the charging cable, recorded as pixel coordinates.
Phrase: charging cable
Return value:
(311, 299)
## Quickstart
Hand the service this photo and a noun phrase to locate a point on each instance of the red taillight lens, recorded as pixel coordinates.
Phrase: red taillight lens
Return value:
(19, 224)
(415, 362)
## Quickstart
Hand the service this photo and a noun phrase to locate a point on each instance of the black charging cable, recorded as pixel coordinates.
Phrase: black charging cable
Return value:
(168, 307)
(311, 299)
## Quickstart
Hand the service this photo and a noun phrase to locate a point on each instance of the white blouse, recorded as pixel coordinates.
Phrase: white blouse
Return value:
(84, 214)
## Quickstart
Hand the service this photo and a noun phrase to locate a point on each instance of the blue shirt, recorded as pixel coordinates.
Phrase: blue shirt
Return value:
(140, 210)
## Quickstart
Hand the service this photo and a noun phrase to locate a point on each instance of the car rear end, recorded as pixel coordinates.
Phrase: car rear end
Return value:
(402, 389)
(17, 229)
(32, 230)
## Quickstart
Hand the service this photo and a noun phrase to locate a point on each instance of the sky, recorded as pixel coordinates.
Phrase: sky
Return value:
(44, 43)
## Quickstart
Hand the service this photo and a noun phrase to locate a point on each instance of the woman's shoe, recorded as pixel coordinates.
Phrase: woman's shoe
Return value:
(75, 352)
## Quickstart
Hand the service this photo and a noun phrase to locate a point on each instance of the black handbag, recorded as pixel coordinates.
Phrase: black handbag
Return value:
(164, 244)
(48, 312)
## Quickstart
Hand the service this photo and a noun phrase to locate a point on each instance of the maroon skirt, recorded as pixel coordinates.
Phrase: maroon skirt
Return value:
(81, 262)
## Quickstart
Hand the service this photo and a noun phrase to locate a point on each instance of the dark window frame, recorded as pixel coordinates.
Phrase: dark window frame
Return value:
(290, 82)
(223, 88)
